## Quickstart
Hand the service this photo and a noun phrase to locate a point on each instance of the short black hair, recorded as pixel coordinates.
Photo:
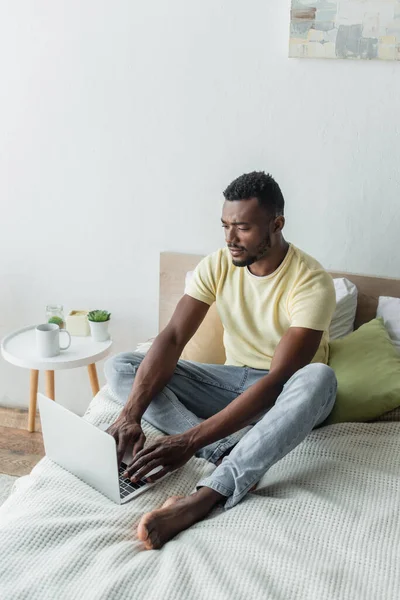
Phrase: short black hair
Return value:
(257, 185)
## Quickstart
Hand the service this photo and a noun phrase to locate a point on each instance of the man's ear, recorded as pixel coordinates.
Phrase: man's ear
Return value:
(279, 223)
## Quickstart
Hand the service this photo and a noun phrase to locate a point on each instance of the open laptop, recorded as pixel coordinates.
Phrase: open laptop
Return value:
(88, 452)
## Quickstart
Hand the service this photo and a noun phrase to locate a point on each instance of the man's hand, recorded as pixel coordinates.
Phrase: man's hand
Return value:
(125, 432)
(171, 451)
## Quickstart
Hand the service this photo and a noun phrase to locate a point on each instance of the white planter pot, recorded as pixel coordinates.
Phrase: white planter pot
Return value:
(99, 331)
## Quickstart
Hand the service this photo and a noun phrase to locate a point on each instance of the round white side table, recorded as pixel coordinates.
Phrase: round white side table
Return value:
(19, 348)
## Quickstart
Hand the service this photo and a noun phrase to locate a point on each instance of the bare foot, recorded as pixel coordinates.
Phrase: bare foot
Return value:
(176, 514)
(172, 500)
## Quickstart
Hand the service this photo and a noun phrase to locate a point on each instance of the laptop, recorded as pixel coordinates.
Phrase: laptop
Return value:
(88, 452)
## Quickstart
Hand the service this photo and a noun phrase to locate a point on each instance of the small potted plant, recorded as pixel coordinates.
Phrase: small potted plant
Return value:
(57, 321)
(98, 321)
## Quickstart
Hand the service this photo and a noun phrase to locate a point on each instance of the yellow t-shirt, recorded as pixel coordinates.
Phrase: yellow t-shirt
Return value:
(257, 311)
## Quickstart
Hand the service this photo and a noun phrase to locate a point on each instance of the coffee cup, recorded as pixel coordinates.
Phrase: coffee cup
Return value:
(48, 340)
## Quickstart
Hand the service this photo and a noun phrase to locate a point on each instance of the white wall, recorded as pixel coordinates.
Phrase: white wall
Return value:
(122, 122)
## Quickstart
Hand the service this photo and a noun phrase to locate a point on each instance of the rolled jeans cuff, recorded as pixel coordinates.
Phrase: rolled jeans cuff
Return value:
(232, 499)
(224, 445)
(214, 485)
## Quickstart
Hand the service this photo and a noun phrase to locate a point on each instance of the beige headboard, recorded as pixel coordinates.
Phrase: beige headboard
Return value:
(174, 266)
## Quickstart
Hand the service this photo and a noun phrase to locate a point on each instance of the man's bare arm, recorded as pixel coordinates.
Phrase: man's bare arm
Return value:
(296, 349)
(159, 364)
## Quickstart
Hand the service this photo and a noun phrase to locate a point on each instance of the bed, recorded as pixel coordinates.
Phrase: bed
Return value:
(322, 524)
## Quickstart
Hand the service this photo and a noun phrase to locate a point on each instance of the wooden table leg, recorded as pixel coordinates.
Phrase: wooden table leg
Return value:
(94, 381)
(50, 392)
(34, 378)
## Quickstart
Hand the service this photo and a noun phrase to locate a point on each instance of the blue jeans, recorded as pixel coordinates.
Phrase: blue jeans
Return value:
(198, 391)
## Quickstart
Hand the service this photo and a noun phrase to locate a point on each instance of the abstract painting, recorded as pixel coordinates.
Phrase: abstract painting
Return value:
(357, 29)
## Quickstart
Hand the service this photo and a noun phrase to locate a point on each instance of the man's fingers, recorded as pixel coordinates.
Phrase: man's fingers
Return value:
(138, 445)
(139, 463)
(143, 456)
(160, 474)
(138, 474)
(143, 451)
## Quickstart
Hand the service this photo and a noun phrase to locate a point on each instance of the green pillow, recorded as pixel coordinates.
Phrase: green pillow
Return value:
(367, 367)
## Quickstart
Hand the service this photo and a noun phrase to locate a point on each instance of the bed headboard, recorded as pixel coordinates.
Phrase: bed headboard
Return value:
(174, 266)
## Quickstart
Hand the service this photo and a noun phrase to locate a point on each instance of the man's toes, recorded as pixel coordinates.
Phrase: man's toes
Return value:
(142, 529)
(147, 533)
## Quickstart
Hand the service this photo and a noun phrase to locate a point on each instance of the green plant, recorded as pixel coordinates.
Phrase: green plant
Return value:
(99, 316)
(57, 320)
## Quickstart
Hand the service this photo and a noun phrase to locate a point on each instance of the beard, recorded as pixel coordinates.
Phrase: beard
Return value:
(261, 251)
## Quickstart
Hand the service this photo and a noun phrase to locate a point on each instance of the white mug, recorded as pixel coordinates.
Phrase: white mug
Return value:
(48, 340)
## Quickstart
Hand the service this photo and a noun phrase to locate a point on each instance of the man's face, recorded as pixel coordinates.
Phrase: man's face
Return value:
(249, 231)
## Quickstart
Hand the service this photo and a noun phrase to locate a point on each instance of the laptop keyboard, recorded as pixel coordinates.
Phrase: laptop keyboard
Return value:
(126, 486)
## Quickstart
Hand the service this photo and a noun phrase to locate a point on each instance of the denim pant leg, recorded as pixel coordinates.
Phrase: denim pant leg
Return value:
(195, 392)
(305, 402)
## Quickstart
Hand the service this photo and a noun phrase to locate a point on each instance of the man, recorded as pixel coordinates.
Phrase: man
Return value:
(276, 305)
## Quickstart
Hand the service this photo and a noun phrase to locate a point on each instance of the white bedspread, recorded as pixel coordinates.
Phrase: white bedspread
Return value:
(324, 524)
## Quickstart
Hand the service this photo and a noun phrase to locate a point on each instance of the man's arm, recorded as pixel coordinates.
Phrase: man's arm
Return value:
(296, 349)
(154, 372)
(159, 364)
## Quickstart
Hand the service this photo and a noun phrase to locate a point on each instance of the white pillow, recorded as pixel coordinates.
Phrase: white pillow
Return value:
(346, 306)
(389, 310)
(188, 278)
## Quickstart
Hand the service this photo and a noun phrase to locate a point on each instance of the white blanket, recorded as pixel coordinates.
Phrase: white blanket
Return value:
(323, 524)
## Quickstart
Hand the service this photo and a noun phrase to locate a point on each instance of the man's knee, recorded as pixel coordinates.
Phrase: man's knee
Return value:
(317, 378)
(320, 375)
(123, 363)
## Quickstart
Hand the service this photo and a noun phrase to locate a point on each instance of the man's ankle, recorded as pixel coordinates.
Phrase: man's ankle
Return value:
(208, 495)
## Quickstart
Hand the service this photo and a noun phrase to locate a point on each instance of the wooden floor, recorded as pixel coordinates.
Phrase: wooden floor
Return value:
(19, 449)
